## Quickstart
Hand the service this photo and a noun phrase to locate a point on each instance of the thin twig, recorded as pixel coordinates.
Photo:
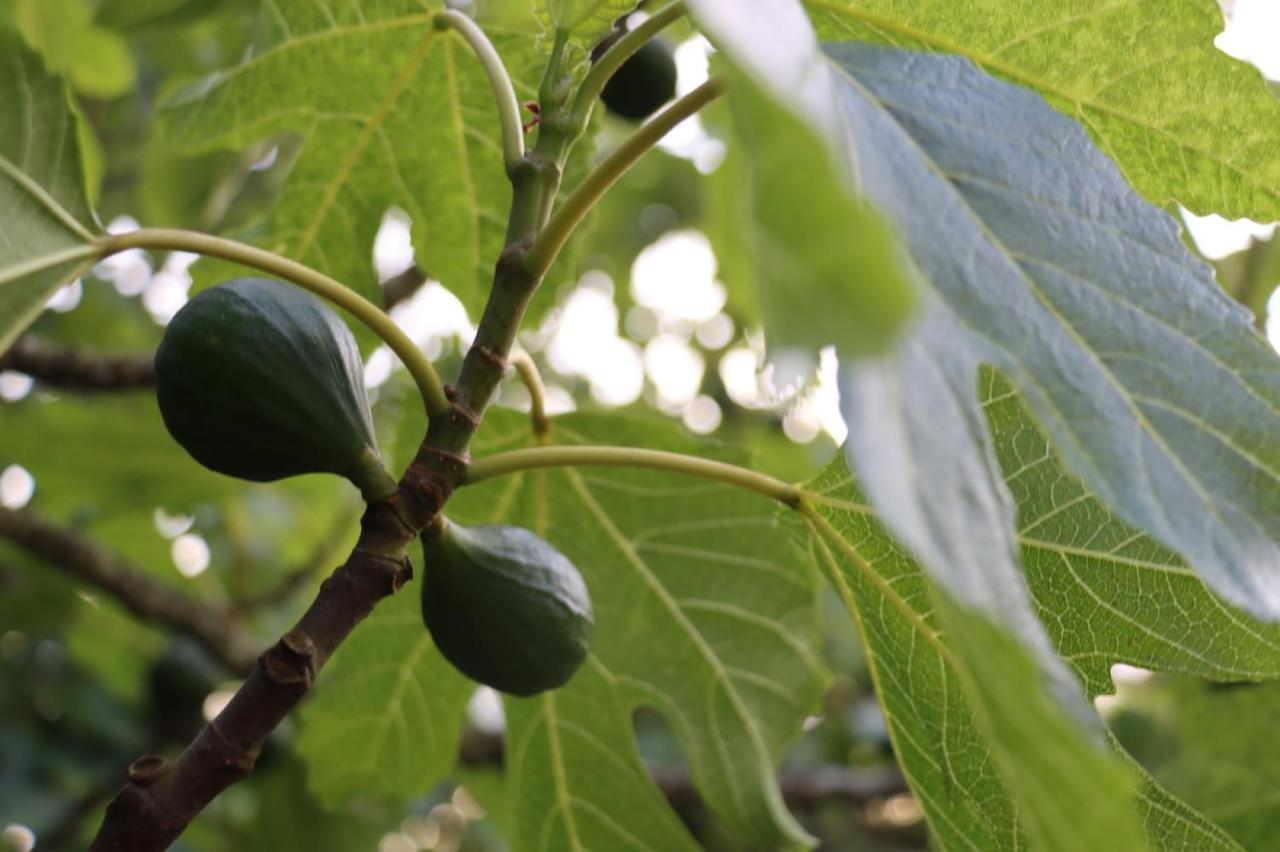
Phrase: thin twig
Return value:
(75, 368)
(74, 554)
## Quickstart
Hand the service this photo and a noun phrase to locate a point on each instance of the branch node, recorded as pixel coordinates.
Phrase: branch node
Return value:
(494, 358)
(291, 660)
(147, 769)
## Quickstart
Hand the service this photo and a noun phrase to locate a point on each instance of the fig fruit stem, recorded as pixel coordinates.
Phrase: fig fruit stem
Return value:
(531, 458)
(538, 259)
(532, 380)
(171, 239)
(613, 58)
(504, 93)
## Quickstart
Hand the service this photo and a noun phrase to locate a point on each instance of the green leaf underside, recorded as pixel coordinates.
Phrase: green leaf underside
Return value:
(704, 612)
(1106, 594)
(825, 265)
(45, 237)
(1040, 259)
(391, 112)
(1185, 122)
(388, 710)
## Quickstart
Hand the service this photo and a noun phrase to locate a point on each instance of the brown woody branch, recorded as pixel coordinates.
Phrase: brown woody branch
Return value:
(78, 369)
(161, 798)
(76, 555)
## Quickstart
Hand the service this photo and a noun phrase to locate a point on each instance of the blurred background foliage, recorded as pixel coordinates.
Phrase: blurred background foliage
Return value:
(647, 314)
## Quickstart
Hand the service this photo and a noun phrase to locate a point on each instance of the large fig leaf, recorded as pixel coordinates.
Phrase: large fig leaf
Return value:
(391, 112)
(704, 612)
(826, 267)
(1036, 256)
(1107, 593)
(1186, 122)
(47, 226)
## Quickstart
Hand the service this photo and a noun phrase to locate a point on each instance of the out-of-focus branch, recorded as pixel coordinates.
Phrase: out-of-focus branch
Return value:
(86, 560)
(802, 788)
(78, 369)
(398, 288)
(84, 370)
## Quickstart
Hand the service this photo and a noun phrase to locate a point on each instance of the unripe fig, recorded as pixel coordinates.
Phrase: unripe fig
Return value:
(259, 380)
(643, 83)
(505, 607)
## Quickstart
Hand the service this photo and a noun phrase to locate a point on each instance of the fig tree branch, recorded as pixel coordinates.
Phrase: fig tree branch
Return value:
(575, 207)
(424, 374)
(162, 797)
(504, 93)
(76, 368)
(78, 556)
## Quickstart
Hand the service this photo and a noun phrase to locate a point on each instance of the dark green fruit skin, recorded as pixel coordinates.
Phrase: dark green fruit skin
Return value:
(259, 380)
(643, 83)
(505, 608)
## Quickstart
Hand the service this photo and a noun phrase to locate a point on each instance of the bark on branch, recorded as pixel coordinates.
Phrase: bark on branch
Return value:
(144, 596)
(78, 369)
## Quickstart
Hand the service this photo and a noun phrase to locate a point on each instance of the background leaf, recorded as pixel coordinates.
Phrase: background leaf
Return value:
(1186, 122)
(409, 122)
(42, 188)
(702, 613)
(388, 711)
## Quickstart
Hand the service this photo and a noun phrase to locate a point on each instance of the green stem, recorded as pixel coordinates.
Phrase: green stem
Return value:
(322, 285)
(581, 456)
(532, 380)
(504, 93)
(538, 259)
(621, 50)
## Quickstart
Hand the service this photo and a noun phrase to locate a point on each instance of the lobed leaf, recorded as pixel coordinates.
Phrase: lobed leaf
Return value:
(824, 264)
(48, 227)
(1185, 122)
(391, 112)
(387, 714)
(1106, 594)
(1038, 257)
(703, 612)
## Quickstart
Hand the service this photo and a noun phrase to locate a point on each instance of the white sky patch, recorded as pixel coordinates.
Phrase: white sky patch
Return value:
(675, 368)
(585, 343)
(689, 139)
(67, 298)
(190, 555)
(1217, 237)
(675, 277)
(1253, 34)
(171, 526)
(17, 487)
(14, 386)
(703, 415)
(393, 248)
(169, 289)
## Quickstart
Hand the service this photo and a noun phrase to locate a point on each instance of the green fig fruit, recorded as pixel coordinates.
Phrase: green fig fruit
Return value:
(505, 607)
(260, 380)
(643, 83)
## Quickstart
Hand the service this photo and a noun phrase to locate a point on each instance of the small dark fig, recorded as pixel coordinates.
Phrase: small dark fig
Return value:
(260, 380)
(643, 83)
(504, 607)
